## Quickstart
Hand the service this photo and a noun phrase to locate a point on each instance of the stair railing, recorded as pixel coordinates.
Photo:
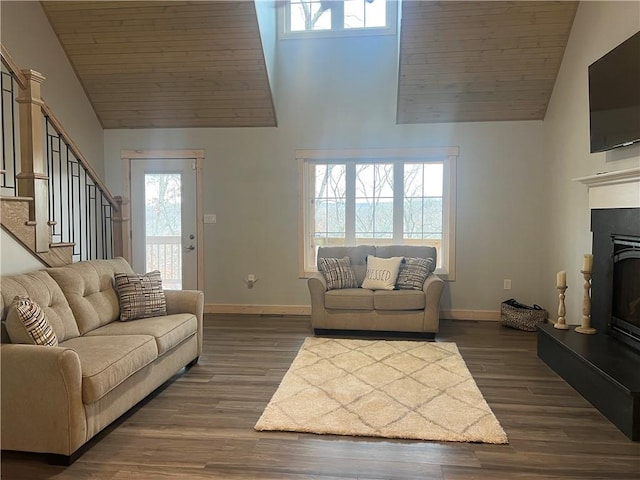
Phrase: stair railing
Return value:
(71, 205)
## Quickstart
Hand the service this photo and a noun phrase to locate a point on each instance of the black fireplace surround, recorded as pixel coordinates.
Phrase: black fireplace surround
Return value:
(604, 367)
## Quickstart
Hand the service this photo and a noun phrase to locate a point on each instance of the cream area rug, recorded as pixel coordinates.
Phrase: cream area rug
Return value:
(394, 389)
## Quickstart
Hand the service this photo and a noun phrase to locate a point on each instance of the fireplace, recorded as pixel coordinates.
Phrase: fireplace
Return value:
(604, 367)
(615, 287)
(625, 301)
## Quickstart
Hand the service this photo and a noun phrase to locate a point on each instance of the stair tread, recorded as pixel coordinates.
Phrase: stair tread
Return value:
(11, 198)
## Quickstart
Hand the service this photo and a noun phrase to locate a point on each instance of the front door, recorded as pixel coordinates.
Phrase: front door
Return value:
(164, 233)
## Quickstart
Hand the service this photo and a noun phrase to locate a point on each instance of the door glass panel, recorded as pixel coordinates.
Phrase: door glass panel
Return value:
(163, 205)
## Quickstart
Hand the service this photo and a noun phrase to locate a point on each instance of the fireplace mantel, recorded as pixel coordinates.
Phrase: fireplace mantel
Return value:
(618, 189)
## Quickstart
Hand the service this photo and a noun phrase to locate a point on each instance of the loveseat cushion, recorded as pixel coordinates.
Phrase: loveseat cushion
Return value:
(168, 331)
(349, 299)
(89, 289)
(42, 289)
(107, 361)
(399, 300)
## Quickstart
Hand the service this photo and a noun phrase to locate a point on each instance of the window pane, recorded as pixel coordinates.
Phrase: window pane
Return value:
(376, 13)
(329, 205)
(163, 204)
(374, 201)
(422, 215)
(307, 15)
(361, 14)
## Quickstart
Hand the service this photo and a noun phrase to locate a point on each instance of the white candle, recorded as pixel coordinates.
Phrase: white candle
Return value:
(587, 264)
(562, 279)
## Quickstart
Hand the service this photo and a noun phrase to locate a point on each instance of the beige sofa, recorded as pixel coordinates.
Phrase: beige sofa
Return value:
(410, 311)
(54, 399)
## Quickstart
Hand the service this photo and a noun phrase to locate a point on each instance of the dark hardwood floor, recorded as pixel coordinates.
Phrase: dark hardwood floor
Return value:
(201, 425)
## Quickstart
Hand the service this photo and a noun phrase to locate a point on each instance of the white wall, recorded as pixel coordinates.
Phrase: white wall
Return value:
(30, 40)
(598, 27)
(341, 93)
(14, 258)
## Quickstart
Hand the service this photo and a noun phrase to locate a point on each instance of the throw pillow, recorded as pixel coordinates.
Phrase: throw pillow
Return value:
(337, 272)
(140, 296)
(381, 273)
(27, 323)
(413, 273)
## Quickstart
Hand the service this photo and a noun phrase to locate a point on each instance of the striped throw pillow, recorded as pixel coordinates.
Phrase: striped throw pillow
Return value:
(140, 296)
(338, 273)
(27, 316)
(413, 273)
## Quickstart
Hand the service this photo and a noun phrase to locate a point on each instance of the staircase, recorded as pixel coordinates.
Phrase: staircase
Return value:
(51, 199)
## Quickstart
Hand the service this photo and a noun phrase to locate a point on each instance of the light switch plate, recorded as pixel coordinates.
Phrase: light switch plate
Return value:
(210, 218)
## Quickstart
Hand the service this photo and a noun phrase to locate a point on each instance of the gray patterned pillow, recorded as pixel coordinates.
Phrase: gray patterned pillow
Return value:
(337, 272)
(140, 296)
(27, 323)
(413, 273)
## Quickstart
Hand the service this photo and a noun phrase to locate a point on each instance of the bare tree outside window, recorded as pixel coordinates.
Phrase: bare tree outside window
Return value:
(163, 223)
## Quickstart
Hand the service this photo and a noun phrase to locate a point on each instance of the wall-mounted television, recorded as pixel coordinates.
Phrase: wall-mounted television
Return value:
(614, 97)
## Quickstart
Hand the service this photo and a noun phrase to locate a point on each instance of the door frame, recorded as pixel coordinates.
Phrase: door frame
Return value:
(196, 155)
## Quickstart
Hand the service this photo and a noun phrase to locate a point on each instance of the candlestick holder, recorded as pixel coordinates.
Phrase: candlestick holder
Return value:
(586, 327)
(561, 324)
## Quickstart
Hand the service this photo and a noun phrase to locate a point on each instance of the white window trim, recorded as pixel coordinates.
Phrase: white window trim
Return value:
(447, 154)
(390, 29)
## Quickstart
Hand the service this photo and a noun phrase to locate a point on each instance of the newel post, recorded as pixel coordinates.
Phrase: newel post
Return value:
(121, 229)
(33, 180)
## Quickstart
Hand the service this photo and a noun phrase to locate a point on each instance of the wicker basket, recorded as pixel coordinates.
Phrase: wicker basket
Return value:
(523, 317)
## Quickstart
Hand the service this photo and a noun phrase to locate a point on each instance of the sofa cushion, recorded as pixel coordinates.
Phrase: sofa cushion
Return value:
(107, 361)
(89, 289)
(413, 272)
(140, 296)
(43, 290)
(168, 331)
(349, 299)
(337, 272)
(399, 300)
(27, 323)
(381, 273)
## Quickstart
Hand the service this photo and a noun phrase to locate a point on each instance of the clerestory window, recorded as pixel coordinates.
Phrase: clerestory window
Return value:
(304, 17)
(378, 197)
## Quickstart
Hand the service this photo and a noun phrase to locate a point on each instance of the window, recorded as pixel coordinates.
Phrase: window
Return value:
(345, 16)
(378, 197)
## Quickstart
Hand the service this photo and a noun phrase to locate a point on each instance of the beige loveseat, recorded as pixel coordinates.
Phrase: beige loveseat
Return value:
(54, 399)
(415, 311)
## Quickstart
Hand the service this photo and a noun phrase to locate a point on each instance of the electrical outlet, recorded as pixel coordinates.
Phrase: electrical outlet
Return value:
(507, 284)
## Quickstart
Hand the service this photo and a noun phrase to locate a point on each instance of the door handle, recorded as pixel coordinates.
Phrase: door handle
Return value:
(190, 248)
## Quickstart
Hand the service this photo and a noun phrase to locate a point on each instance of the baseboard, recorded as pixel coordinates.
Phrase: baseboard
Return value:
(481, 315)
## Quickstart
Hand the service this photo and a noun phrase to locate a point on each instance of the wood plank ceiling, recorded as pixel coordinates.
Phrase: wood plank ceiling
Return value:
(480, 60)
(167, 64)
(201, 64)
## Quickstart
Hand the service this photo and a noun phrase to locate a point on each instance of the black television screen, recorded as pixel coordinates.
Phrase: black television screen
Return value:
(614, 97)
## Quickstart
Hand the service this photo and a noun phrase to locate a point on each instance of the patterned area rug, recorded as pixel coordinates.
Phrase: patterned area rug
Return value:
(393, 389)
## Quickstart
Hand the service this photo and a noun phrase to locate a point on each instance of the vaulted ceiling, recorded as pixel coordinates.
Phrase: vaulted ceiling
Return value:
(201, 64)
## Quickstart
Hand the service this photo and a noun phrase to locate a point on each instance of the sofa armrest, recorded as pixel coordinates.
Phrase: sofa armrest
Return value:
(433, 287)
(41, 404)
(317, 288)
(187, 301)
